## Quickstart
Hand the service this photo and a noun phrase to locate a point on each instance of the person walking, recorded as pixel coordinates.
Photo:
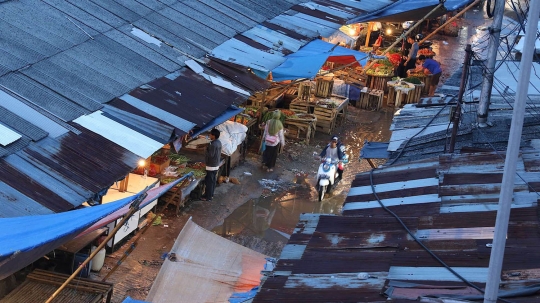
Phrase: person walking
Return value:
(429, 66)
(212, 159)
(274, 139)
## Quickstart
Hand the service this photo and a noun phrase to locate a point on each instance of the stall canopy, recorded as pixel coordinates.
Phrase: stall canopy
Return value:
(411, 10)
(307, 62)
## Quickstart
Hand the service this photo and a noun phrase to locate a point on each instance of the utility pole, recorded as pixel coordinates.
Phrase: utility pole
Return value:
(510, 163)
(487, 82)
(457, 114)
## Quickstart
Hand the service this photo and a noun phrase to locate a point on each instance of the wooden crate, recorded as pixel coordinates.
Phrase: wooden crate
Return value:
(326, 119)
(304, 91)
(299, 107)
(371, 100)
(378, 82)
(426, 79)
(323, 87)
(297, 130)
(413, 96)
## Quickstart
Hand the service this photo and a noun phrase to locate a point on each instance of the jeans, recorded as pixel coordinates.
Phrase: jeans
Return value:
(210, 184)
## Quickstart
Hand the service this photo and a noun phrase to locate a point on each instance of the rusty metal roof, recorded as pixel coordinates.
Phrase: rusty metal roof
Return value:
(122, 63)
(448, 202)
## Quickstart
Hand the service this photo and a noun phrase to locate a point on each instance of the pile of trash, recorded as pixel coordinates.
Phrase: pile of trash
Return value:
(276, 185)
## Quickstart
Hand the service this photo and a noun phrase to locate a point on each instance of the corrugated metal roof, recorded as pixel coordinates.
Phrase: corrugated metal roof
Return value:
(264, 46)
(119, 134)
(371, 240)
(63, 61)
(7, 135)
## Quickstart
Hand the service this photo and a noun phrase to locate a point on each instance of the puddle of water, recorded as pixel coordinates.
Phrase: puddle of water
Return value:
(274, 218)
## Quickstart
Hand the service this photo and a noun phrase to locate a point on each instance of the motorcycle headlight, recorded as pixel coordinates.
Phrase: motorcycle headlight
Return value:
(326, 167)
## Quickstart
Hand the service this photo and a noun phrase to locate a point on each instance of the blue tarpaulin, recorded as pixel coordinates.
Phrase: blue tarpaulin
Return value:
(239, 297)
(307, 62)
(26, 239)
(411, 10)
(130, 300)
(230, 112)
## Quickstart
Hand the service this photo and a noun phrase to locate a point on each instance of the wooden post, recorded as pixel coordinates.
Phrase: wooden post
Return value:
(369, 29)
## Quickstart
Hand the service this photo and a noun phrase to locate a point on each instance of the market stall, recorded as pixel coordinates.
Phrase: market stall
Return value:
(191, 157)
(379, 73)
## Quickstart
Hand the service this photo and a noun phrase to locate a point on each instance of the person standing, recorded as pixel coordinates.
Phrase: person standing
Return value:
(429, 66)
(410, 63)
(274, 139)
(212, 159)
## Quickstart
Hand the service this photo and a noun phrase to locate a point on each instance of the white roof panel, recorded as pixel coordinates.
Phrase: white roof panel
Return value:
(157, 112)
(238, 52)
(8, 136)
(119, 134)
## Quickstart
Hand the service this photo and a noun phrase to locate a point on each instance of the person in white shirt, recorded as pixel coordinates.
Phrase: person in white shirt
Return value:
(335, 151)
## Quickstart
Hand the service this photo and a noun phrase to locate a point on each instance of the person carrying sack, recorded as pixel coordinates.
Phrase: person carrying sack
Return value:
(274, 139)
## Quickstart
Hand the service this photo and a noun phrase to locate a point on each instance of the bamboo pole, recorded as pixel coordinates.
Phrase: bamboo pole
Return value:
(450, 20)
(405, 34)
(132, 209)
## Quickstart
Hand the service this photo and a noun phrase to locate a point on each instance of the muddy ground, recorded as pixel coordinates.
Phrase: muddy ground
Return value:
(255, 215)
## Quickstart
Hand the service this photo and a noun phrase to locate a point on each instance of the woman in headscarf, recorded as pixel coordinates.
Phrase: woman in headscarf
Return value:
(274, 139)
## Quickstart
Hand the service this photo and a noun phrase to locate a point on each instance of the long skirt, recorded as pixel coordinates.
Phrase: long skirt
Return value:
(270, 155)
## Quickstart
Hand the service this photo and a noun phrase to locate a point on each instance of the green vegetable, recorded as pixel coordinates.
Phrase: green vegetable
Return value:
(179, 158)
(413, 80)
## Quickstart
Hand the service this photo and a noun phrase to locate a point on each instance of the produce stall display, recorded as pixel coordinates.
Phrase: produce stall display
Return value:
(426, 79)
(426, 52)
(379, 74)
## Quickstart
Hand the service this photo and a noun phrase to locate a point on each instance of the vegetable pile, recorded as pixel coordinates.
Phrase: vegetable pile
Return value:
(426, 52)
(412, 80)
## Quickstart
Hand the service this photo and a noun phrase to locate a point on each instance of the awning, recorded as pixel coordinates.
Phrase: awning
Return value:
(309, 59)
(230, 112)
(26, 239)
(412, 10)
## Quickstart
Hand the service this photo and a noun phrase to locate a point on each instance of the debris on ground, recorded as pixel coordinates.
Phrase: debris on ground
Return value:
(276, 185)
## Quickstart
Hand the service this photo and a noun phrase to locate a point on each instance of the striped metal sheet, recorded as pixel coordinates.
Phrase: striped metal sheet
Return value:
(119, 134)
(19, 108)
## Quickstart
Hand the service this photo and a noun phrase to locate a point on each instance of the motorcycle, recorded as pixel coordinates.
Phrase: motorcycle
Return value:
(327, 176)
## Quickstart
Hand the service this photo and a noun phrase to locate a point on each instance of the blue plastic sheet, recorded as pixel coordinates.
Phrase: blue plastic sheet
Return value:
(239, 297)
(411, 10)
(25, 239)
(130, 300)
(230, 112)
(307, 62)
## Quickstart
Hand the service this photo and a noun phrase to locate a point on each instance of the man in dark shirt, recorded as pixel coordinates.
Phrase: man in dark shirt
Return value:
(212, 159)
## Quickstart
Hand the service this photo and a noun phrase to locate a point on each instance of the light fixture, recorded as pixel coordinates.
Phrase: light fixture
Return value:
(388, 31)
(142, 163)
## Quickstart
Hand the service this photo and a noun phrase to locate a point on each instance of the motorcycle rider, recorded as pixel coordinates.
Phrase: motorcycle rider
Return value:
(335, 151)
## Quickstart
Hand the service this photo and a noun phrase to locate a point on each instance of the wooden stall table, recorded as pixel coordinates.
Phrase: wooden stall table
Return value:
(178, 195)
(326, 117)
(378, 82)
(401, 92)
(371, 99)
(301, 128)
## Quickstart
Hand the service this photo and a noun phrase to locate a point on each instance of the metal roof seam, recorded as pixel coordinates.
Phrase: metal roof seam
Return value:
(39, 109)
